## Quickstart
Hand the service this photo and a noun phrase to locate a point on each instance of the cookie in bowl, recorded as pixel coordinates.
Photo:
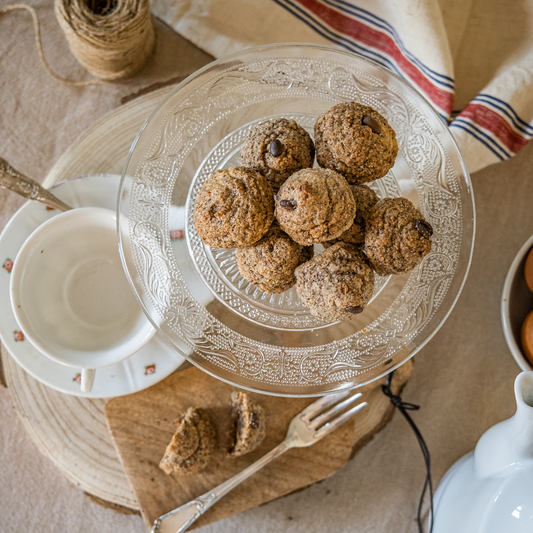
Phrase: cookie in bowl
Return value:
(278, 148)
(315, 205)
(269, 264)
(365, 199)
(336, 284)
(356, 141)
(234, 208)
(397, 237)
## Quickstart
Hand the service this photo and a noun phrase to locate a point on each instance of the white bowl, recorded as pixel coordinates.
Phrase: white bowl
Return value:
(70, 295)
(517, 302)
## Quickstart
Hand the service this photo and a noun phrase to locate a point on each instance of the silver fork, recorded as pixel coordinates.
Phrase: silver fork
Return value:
(306, 428)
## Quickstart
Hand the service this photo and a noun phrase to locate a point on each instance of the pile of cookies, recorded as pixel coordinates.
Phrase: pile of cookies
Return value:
(275, 207)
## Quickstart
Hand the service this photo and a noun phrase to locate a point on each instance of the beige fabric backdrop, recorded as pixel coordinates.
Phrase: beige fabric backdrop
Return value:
(463, 378)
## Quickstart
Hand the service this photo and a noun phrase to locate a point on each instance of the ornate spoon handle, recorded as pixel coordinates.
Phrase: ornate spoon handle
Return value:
(12, 180)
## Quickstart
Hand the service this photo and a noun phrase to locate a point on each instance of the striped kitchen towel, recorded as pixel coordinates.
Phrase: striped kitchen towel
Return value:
(472, 59)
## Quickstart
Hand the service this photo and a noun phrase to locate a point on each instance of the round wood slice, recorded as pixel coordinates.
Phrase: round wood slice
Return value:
(103, 148)
(72, 431)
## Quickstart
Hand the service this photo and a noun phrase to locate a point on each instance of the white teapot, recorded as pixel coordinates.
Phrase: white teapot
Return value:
(490, 490)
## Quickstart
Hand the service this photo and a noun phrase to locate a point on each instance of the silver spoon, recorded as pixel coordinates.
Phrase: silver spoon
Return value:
(13, 180)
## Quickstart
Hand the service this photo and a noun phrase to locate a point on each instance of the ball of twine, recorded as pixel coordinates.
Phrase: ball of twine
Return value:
(112, 39)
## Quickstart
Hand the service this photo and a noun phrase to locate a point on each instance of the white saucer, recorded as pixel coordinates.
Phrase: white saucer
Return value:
(148, 366)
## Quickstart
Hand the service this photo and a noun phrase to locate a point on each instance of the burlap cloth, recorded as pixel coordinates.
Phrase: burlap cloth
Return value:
(463, 378)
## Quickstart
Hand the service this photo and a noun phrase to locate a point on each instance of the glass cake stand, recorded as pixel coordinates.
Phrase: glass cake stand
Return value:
(195, 295)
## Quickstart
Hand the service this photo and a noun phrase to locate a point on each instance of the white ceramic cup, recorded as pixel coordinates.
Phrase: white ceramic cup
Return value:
(70, 294)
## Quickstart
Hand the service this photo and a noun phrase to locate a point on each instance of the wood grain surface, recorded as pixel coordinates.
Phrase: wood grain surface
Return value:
(142, 425)
(72, 432)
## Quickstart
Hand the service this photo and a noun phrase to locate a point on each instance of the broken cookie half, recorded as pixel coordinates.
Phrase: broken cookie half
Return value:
(192, 445)
(249, 424)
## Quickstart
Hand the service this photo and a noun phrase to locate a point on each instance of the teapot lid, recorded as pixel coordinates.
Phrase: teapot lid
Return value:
(464, 503)
(491, 490)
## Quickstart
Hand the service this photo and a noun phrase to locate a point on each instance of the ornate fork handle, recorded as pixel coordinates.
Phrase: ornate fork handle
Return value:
(12, 180)
(181, 518)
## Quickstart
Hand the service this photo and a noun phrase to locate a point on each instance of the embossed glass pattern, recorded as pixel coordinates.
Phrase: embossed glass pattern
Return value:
(196, 297)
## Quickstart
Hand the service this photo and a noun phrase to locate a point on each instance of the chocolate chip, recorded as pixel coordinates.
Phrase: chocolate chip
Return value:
(289, 204)
(354, 309)
(254, 423)
(276, 148)
(359, 218)
(373, 124)
(424, 228)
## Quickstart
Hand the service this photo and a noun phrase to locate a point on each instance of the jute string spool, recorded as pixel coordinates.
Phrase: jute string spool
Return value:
(121, 44)
(112, 39)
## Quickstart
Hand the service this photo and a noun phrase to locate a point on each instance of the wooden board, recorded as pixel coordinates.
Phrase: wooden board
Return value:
(142, 425)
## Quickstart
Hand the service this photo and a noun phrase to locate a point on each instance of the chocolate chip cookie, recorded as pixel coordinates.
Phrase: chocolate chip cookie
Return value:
(315, 205)
(192, 445)
(277, 148)
(336, 284)
(397, 236)
(269, 264)
(356, 141)
(365, 199)
(234, 208)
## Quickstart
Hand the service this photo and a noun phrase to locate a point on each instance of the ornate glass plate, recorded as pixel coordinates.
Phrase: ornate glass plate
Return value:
(195, 295)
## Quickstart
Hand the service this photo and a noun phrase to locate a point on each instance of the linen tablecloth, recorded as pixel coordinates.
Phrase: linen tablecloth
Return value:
(463, 378)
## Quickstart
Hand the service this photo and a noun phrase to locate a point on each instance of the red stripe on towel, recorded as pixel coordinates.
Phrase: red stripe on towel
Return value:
(386, 44)
(494, 123)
